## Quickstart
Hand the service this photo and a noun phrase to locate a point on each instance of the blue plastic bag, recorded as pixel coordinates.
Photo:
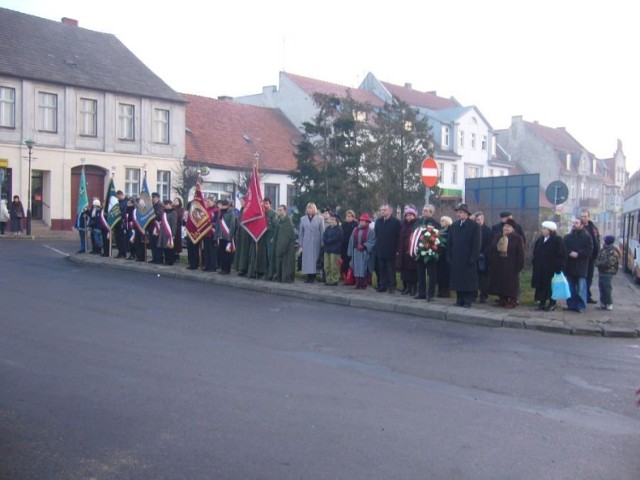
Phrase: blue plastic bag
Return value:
(560, 287)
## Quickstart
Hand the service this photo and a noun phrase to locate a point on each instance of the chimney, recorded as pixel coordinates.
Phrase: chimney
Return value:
(225, 98)
(408, 86)
(70, 21)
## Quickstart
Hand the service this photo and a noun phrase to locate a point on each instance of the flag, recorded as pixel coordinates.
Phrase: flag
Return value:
(111, 214)
(144, 211)
(198, 221)
(83, 200)
(253, 220)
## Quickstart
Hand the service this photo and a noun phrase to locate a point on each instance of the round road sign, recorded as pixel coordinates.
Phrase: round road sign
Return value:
(429, 172)
(557, 192)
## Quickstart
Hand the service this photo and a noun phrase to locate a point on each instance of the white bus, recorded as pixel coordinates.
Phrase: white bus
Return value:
(631, 227)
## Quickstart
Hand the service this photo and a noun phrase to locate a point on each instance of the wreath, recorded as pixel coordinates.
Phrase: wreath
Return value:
(426, 244)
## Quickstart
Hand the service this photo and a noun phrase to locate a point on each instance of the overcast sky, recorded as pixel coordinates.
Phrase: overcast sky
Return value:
(563, 63)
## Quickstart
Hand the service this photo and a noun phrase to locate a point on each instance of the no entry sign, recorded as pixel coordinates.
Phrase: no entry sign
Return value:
(429, 172)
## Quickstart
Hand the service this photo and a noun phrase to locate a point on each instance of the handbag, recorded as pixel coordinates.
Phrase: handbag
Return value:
(560, 287)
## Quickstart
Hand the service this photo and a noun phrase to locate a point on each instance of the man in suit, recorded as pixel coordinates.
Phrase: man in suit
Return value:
(387, 230)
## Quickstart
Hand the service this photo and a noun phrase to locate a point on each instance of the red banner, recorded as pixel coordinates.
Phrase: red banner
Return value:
(198, 221)
(253, 220)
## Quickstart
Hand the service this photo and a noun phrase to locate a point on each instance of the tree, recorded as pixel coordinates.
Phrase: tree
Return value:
(402, 140)
(331, 170)
(186, 176)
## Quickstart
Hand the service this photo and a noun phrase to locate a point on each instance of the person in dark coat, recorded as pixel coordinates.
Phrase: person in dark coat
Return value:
(120, 230)
(332, 246)
(593, 232)
(405, 263)
(506, 261)
(166, 237)
(387, 229)
(444, 269)
(180, 216)
(496, 230)
(225, 231)
(549, 257)
(579, 247)
(483, 261)
(427, 273)
(463, 252)
(347, 226)
(284, 247)
(16, 214)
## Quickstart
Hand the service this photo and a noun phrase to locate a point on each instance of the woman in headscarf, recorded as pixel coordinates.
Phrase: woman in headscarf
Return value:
(506, 261)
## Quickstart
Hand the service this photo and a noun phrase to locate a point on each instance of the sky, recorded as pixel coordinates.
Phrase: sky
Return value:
(563, 63)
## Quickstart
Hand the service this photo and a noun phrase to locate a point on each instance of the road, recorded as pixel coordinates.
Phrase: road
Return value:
(116, 375)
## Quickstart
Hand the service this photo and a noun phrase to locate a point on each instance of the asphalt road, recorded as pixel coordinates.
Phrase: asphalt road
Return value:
(112, 375)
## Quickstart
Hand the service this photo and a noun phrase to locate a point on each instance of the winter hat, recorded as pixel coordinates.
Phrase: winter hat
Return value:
(505, 214)
(609, 239)
(410, 211)
(510, 221)
(549, 225)
(365, 218)
(96, 203)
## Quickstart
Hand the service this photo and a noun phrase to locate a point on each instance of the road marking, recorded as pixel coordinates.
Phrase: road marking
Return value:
(56, 250)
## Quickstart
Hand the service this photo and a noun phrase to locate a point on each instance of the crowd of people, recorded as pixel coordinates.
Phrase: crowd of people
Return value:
(467, 256)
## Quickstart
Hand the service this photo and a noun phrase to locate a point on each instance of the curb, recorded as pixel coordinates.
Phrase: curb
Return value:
(418, 309)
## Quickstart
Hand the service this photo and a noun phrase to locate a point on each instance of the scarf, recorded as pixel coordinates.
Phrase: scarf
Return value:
(503, 245)
(363, 240)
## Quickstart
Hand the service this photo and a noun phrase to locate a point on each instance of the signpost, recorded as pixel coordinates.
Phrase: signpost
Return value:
(429, 175)
(557, 193)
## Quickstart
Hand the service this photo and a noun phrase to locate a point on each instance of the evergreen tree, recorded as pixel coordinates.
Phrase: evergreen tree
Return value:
(402, 141)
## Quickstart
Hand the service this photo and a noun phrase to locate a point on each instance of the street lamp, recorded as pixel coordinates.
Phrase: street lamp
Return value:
(29, 144)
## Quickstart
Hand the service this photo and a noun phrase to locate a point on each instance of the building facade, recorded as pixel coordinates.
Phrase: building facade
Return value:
(86, 102)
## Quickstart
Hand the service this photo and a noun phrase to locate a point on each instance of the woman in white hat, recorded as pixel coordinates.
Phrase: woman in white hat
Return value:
(549, 257)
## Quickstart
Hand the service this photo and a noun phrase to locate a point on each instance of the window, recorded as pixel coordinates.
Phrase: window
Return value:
(445, 138)
(493, 146)
(568, 161)
(359, 116)
(594, 166)
(440, 172)
(484, 143)
(164, 184)
(272, 190)
(454, 174)
(126, 124)
(461, 138)
(88, 117)
(292, 193)
(161, 126)
(473, 172)
(131, 182)
(48, 110)
(473, 141)
(7, 107)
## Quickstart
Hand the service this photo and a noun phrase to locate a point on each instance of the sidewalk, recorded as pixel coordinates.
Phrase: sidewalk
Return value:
(622, 321)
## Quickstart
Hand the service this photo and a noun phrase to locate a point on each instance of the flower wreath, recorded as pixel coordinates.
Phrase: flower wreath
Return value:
(426, 244)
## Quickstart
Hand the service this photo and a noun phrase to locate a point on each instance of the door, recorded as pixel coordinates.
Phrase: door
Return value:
(95, 185)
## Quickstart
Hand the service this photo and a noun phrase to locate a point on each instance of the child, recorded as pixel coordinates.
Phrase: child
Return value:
(332, 246)
(607, 262)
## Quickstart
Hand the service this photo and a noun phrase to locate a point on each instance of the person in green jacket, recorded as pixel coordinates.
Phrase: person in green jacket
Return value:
(283, 245)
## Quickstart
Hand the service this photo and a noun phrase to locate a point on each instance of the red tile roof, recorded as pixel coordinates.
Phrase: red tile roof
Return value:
(558, 138)
(421, 99)
(311, 86)
(224, 134)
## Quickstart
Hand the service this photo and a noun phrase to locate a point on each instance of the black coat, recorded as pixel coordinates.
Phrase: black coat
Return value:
(503, 271)
(578, 241)
(485, 248)
(593, 231)
(463, 252)
(497, 230)
(387, 235)
(548, 258)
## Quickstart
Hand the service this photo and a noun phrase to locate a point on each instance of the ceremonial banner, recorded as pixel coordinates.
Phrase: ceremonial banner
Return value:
(253, 220)
(198, 221)
(144, 211)
(83, 200)
(111, 214)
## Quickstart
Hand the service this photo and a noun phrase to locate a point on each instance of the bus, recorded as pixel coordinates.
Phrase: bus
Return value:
(631, 226)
